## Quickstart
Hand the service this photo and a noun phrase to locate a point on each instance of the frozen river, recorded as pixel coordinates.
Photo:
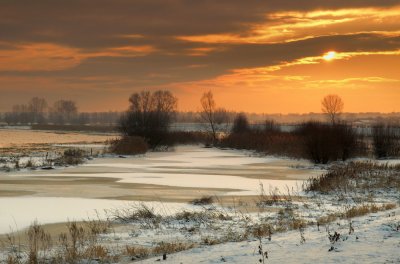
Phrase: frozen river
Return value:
(172, 178)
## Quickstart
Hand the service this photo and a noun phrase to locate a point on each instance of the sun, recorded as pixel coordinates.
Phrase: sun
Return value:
(330, 55)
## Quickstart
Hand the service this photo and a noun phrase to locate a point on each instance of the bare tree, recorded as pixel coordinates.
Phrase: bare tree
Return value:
(207, 114)
(216, 118)
(332, 105)
(37, 107)
(63, 111)
(149, 116)
(19, 115)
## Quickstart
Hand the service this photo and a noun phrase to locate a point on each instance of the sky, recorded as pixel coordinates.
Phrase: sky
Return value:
(275, 56)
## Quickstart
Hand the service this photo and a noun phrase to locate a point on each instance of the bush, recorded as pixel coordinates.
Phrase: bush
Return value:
(386, 141)
(240, 124)
(186, 137)
(325, 142)
(128, 146)
(274, 143)
(71, 157)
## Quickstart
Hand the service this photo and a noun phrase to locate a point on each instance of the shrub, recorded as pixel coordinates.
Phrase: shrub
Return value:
(386, 141)
(240, 124)
(325, 142)
(71, 157)
(128, 146)
(186, 137)
(269, 142)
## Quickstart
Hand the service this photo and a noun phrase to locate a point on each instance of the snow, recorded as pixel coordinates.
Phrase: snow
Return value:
(376, 237)
(375, 240)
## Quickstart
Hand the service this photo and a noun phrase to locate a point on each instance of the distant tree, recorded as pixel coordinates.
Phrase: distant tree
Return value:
(215, 118)
(149, 116)
(222, 120)
(20, 114)
(271, 126)
(332, 105)
(240, 124)
(37, 107)
(63, 111)
(83, 118)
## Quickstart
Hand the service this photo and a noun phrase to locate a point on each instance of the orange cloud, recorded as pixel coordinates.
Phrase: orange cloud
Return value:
(202, 51)
(293, 26)
(44, 56)
(53, 57)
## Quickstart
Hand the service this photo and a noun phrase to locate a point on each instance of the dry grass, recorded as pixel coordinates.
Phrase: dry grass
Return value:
(140, 252)
(78, 243)
(329, 218)
(205, 216)
(40, 243)
(142, 214)
(363, 176)
(168, 247)
(261, 230)
(137, 252)
(357, 211)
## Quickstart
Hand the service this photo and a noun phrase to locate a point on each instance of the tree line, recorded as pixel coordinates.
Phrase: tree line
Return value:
(62, 112)
(151, 113)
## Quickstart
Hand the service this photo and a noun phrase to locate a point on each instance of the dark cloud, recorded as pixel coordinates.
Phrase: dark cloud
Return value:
(99, 23)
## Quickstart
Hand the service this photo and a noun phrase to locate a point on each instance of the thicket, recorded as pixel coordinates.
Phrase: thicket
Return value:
(386, 141)
(318, 142)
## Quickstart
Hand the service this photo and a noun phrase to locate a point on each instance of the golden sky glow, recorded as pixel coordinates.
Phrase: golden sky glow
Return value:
(280, 56)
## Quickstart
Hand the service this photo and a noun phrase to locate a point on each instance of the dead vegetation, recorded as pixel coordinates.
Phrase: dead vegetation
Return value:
(356, 176)
(365, 209)
(128, 145)
(73, 156)
(207, 225)
(205, 200)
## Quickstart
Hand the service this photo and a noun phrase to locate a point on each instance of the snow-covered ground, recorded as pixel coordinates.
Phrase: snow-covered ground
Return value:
(211, 229)
(376, 239)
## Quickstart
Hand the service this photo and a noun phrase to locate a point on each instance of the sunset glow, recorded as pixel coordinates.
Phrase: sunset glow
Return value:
(329, 55)
(280, 57)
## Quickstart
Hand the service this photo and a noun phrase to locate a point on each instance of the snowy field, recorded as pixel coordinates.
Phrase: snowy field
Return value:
(376, 239)
(146, 199)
